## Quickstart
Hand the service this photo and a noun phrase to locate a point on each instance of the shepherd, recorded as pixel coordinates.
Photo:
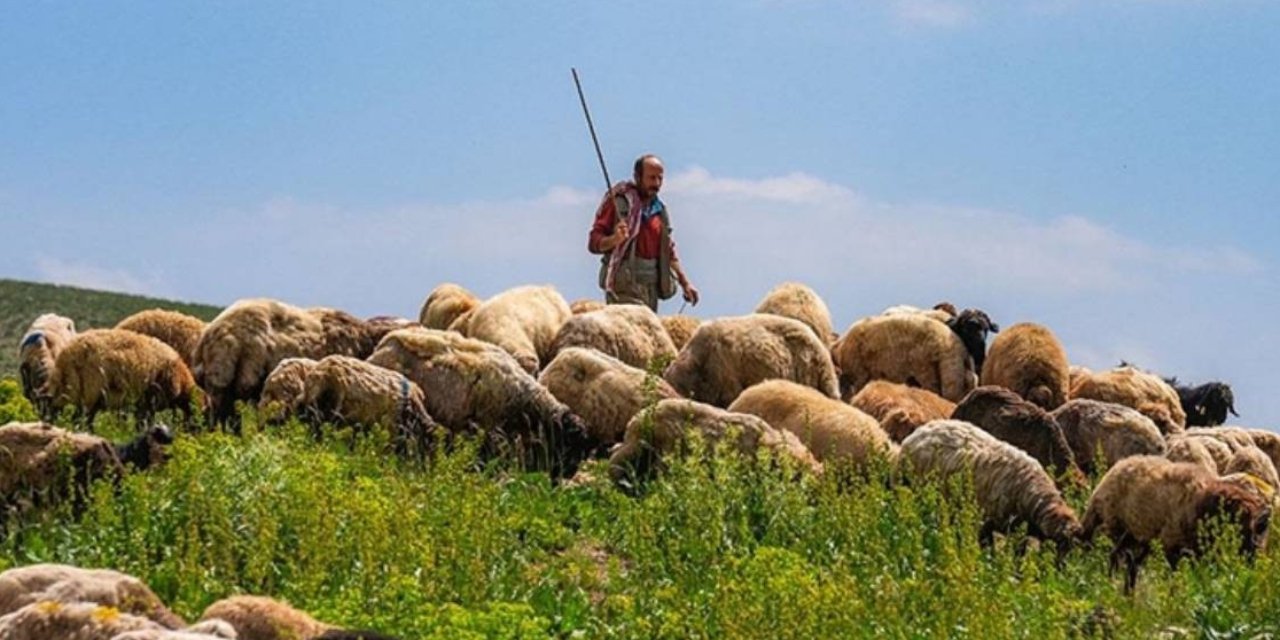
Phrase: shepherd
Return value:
(632, 234)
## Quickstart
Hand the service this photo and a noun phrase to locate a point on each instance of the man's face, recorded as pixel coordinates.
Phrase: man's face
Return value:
(650, 178)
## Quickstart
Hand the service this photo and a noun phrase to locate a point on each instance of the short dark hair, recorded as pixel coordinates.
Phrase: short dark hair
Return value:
(639, 166)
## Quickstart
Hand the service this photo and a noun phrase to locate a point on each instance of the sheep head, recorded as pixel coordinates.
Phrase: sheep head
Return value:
(1241, 507)
(972, 326)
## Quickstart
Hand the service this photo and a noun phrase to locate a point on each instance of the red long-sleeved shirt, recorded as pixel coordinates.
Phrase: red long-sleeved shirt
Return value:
(647, 242)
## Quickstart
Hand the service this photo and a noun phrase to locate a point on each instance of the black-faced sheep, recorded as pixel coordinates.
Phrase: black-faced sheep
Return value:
(39, 462)
(445, 304)
(629, 332)
(1028, 360)
(37, 353)
(832, 430)
(1136, 389)
(1147, 498)
(604, 391)
(119, 370)
(523, 321)
(1005, 415)
(799, 302)
(1011, 488)
(911, 349)
(901, 409)
(728, 355)
(665, 428)
(476, 387)
(680, 327)
(23, 586)
(178, 330)
(1114, 431)
(1206, 405)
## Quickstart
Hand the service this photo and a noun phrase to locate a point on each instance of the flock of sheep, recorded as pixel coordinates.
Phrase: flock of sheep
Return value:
(551, 384)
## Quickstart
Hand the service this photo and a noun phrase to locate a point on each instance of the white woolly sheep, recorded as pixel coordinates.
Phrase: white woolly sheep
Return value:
(586, 305)
(346, 391)
(1253, 461)
(1028, 360)
(207, 630)
(47, 620)
(1136, 389)
(832, 430)
(1011, 488)
(728, 355)
(284, 390)
(799, 302)
(117, 370)
(476, 387)
(911, 349)
(602, 390)
(1114, 431)
(942, 312)
(629, 332)
(664, 429)
(1147, 498)
(23, 586)
(681, 328)
(1210, 453)
(260, 618)
(445, 304)
(901, 409)
(523, 321)
(178, 330)
(37, 353)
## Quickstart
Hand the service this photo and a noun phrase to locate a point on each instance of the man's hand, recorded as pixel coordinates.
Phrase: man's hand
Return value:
(690, 293)
(619, 236)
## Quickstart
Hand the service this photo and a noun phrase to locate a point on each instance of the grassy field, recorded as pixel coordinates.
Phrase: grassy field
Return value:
(21, 302)
(718, 549)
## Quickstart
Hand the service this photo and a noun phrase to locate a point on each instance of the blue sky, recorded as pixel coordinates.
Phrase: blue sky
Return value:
(1107, 168)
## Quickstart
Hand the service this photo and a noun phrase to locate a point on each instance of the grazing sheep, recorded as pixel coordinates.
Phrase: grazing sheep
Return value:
(116, 370)
(910, 349)
(663, 429)
(680, 327)
(901, 409)
(49, 620)
(473, 386)
(23, 586)
(248, 339)
(1235, 438)
(1211, 453)
(631, 333)
(1137, 389)
(602, 390)
(1005, 415)
(259, 618)
(207, 630)
(379, 326)
(445, 304)
(1268, 441)
(1011, 488)
(1206, 405)
(523, 321)
(1114, 430)
(586, 305)
(284, 390)
(1148, 498)
(344, 390)
(942, 312)
(47, 336)
(40, 462)
(799, 302)
(832, 430)
(1028, 360)
(1253, 461)
(728, 355)
(175, 329)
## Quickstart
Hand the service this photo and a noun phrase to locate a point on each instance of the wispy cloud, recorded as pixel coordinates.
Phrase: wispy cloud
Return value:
(89, 276)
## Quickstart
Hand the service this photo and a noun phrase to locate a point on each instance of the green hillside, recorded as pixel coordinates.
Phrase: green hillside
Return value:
(21, 302)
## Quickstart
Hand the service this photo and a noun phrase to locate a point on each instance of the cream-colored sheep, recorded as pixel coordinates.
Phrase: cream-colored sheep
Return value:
(1136, 389)
(47, 336)
(285, 390)
(476, 387)
(901, 409)
(799, 302)
(629, 332)
(1030, 361)
(664, 429)
(175, 329)
(1235, 438)
(832, 430)
(586, 305)
(259, 618)
(602, 390)
(1114, 431)
(680, 327)
(1011, 487)
(1210, 453)
(445, 304)
(726, 356)
(942, 312)
(23, 586)
(1253, 461)
(1148, 498)
(523, 321)
(119, 370)
(47, 620)
(207, 630)
(347, 391)
(909, 349)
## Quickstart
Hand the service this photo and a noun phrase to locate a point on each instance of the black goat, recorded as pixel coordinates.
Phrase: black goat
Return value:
(1206, 405)
(972, 326)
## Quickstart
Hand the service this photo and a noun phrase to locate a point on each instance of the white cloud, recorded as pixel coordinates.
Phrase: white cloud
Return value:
(88, 276)
(933, 13)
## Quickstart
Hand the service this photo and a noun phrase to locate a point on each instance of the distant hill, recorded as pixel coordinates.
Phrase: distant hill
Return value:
(21, 302)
